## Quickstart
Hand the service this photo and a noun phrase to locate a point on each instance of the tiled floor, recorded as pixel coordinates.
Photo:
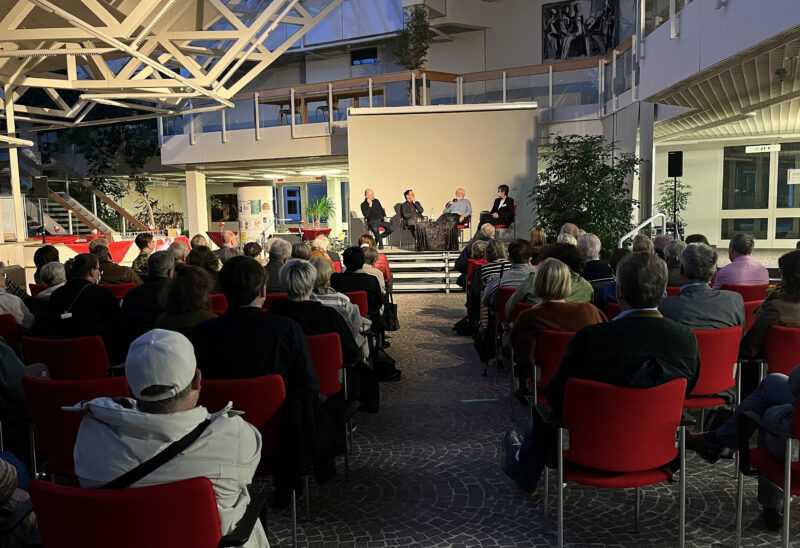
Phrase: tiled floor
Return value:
(425, 470)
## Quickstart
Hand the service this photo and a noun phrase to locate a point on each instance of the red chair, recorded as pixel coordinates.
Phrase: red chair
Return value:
(36, 289)
(472, 266)
(519, 308)
(612, 310)
(119, 290)
(512, 222)
(183, 513)
(779, 471)
(9, 330)
(466, 225)
(81, 358)
(337, 266)
(673, 291)
(749, 292)
(219, 304)
(501, 299)
(361, 300)
(548, 352)
(272, 297)
(615, 437)
(719, 367)
(782, 349)
(54, 431)
(750, 308)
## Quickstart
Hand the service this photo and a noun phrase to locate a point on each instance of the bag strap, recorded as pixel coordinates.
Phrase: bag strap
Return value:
(159, 459)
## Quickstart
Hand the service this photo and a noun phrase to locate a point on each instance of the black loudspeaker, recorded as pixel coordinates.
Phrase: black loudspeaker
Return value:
(675, 164)
(40, 188)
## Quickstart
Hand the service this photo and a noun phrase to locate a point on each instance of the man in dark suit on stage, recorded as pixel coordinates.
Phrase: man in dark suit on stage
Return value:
(374, 216)
(503, 209)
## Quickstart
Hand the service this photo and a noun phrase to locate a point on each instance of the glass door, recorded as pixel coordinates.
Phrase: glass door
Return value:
(292, 206)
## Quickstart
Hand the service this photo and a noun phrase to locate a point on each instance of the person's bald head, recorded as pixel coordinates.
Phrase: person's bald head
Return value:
(229, 238)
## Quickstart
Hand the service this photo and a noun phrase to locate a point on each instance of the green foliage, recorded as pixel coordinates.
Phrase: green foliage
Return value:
(670, 196)
(585, 183)
(320, 209)
(411, 47)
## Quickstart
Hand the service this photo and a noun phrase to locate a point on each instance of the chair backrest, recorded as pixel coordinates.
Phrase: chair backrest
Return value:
(273, 297)
(519, 308)
(782, 349)
(337, 266)
(56, 430)
(620, 429)
(183, 513)
(719, 352)
(612, 310)
(261, 399)
(361, 300)
(36, 289)
(501, 299)
(472, 266)
(548, 352)
(219, 303)
(119, 290)
(749, 292)
(9, 330)
(673, 291)
(750, 308)
(326, 354)
(68, 359)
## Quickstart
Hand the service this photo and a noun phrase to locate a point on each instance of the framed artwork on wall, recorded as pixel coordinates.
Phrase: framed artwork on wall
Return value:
(224, 208)
(578, 28)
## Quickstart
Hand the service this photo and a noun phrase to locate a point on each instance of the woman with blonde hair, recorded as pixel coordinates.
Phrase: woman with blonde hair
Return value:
(320, 246)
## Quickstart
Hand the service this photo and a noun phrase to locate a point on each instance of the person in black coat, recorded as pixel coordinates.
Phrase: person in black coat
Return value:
(503, 210)
(639, 349)
(594, 269)
(411, 211)
(374, 216)
(351, 280)
(142, 305)
(80, 308)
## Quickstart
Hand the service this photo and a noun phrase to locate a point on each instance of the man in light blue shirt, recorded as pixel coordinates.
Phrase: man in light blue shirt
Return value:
(459, 206)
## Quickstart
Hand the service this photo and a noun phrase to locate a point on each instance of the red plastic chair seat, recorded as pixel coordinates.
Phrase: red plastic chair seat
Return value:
(613, 310)
(502, 298)
(750, 308)
(519, 308)
(81, 358)
(749, 292)
(326, 355)
(337, 266)
(36, 289)
(219, 303)
(9, 330)
(272, 297)
(772, 468)
(548, 353)
(673, 291)
(614, 480)
(703, 403)
(719, 353)
(472, 265)
(782, 349)
(361, 300)
(119, 290)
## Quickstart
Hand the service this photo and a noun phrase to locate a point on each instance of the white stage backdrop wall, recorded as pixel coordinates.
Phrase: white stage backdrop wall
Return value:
(436, 152)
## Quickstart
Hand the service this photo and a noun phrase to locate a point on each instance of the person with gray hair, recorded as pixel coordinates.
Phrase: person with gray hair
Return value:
(567, 238)
(143, 305)
(594, 269)
(698, 306)
(642, 244)
(53, 275)
(672, 255)
(179, 251)
(744, 269)
(111, 272)
(370, 257)
(279, 251)
(300, 277)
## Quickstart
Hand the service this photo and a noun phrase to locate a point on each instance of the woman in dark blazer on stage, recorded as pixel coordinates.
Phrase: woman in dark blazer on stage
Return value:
(503, 209)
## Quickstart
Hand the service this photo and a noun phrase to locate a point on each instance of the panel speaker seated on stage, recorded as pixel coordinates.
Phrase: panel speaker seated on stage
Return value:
(503, 210)
(375, 217)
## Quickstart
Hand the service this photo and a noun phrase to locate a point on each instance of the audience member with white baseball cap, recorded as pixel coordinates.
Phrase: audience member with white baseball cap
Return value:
(117, 435)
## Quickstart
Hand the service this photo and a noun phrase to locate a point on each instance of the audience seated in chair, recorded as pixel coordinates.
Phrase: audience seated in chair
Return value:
(254, 250)
(672, 255)
(320, 246)
(370, 259)
(640, 349)
(608, 293)
(743, 269)
(699, 306)
(42, 256)
(485, 234)
(179, 251)
(519, 252)
(18, 525)
(230, 246)
(279, 251)
(381, 263)
(142, 305)
(116, 435)
(202, 257)
(186, 300)
(300, 251)
(11, 304)
(113, 273)
(146, 245)
(52, 276)
(198, 240)
(354, 279)
(593, 268)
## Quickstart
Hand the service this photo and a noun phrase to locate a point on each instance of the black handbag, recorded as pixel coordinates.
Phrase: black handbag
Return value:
(390, 320)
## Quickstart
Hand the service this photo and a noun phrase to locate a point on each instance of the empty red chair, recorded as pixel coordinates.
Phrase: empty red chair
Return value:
(548, 352)
(519, 308)
(749, 292)
(615, 437)
(326, 355)
(337, 266)
(673, 291)
(9, 330)
(272, 297)
(119, 290)
(183, 513)
(612, 310)
(779, 471)
(54, 430)
(719, 366)
(360, 299)
(750, 308)
(68, 359)
(472, 266)
(219, 304)
(36, 289)
(782, 349)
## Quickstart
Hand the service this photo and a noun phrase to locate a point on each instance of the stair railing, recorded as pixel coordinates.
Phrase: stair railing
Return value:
(648, 222)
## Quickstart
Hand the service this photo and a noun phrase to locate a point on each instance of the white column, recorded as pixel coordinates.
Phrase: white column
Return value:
(196, 203)
(256, 213)
(334, 188)
(13, 163)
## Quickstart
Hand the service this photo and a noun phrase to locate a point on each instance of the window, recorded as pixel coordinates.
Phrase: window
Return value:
(366, 56)
(745, 181)
(756, 227)
(291, 204)
(787, 228)
(788, 158)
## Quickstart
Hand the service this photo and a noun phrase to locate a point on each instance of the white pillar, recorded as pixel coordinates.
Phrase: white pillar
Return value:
(13, 163)
(196, 203)
(256, 213)
(334, 188)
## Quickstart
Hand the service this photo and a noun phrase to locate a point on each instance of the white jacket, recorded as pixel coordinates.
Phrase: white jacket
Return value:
(115, 437)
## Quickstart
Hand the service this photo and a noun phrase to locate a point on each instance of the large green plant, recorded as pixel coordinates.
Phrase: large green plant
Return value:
(673, 197)
(320, 209)
(414, 41)
(586, 183)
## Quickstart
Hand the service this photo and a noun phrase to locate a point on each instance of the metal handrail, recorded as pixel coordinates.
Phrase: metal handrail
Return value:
(648, 222)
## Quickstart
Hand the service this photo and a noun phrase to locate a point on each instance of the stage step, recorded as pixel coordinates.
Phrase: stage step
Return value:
(413, 265)
(432, 271)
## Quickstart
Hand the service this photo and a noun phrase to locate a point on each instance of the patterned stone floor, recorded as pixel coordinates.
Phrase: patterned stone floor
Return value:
(425, 470)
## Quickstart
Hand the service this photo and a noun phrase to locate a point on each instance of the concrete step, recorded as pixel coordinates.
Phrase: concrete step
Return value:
(414, 265)
(419, 276)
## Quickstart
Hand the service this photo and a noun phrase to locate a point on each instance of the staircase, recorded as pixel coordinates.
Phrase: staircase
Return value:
(431, 271)
(57, 213)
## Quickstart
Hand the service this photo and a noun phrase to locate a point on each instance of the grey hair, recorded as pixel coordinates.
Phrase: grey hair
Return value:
(567, 238)
(743, 244)
(321, 242)
(370, 255)
(53, 274)
(674, 250)
(699, 262)
(160, 264)
(478, 249)
(279, 249)
(495, 250)
(324, 271)
(643, 244)
(488, 230)
(589, 246)
(178, 250)
(299, 276)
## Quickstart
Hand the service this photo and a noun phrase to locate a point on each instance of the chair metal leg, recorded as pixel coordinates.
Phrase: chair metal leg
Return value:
(739, 506)
(294, 518)
(307, 496)
(546, 493)
(787, 492)
(637, 513)
(32, 439)
(702, 424)
(347, 451)
(560, 477)
(682, 517)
